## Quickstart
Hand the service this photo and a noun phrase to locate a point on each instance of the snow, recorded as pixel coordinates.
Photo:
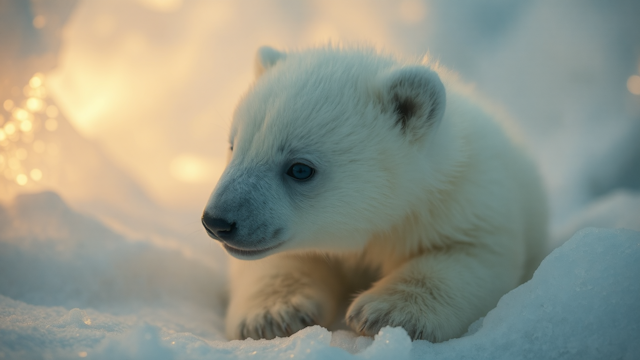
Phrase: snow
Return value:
(71, 287)
(104, 256)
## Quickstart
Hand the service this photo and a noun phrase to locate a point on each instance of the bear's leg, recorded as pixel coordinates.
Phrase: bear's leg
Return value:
(435, 296)
(281, 294)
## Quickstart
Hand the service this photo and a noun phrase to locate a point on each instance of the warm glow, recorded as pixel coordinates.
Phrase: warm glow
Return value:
(21, 154)
(52, 111)
(34, 104)
(20, 114)
(26, 126)
(53, 149)
(51, 124)
(633, 84)
(162, 5)
(104, 25)
(22, 179)
(412, 11)
(36, 80)
(9, 128)
(8, 104)
(2, 135)
(14, 163)
(82, 354)
(36, 174)
(38, 146)
(190, 168)
(39, 22)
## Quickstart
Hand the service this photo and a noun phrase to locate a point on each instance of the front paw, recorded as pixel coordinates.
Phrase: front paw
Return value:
(370, 312)
(277, 317)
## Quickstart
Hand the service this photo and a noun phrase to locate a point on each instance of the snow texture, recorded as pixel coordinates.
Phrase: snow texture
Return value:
(71, 287)
(94, 268)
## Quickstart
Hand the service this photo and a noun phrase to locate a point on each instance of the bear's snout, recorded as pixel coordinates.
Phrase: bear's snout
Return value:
(218, 228)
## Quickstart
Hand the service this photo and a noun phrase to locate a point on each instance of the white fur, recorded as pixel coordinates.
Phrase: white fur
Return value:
(429, 225)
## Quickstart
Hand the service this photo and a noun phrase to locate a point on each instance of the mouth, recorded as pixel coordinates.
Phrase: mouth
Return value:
(242, 253)
(248, 253)
(211, 234)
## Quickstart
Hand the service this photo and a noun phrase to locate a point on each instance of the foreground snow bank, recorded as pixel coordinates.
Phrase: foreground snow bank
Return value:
(70, 287)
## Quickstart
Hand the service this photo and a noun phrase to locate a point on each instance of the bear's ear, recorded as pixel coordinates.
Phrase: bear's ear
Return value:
(266, 57)
(416, 97)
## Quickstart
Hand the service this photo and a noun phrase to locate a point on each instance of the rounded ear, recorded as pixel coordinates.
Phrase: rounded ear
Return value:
(417, 98)
(266, 57)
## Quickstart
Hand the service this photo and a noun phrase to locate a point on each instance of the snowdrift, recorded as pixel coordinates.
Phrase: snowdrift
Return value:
(72, 287)
(144, 92)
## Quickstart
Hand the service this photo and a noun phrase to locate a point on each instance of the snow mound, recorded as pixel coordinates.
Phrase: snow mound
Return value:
(70, 288)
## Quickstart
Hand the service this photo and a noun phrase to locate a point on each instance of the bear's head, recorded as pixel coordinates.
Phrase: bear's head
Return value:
(326, 149)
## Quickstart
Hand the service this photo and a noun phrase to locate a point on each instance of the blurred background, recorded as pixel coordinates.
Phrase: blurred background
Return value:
(123, 107)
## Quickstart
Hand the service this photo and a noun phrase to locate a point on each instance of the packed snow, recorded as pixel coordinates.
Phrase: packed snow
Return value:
(102, 255)
(71, 287)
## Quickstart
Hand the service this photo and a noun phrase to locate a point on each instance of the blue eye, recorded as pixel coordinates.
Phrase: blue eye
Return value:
(300, 171)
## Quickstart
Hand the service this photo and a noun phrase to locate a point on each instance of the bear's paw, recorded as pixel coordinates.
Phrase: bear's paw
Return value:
(370, 312)
(279, 318)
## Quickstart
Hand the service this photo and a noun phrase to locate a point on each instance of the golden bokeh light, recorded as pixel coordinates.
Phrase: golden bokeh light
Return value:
(633, 84)
(1, 119)
(22, 179)
(8, 104)
(36, 80)
(51, 124)
(9, 128)
(26, 126)
(20, 114)
(36, 174)
(2, 135)
(34, 104)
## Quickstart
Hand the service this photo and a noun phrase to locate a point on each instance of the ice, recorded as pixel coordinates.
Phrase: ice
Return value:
(104, 257)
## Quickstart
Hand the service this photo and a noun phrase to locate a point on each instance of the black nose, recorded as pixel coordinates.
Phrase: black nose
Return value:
(218, 228)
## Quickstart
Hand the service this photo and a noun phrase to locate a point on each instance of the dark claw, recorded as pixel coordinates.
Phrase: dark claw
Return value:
(362, 327)
(310, 320)
(374, 324)
(306, 320)
(353, 316)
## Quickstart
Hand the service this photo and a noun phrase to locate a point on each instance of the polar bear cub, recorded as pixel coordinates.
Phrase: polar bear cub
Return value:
(358, 179)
